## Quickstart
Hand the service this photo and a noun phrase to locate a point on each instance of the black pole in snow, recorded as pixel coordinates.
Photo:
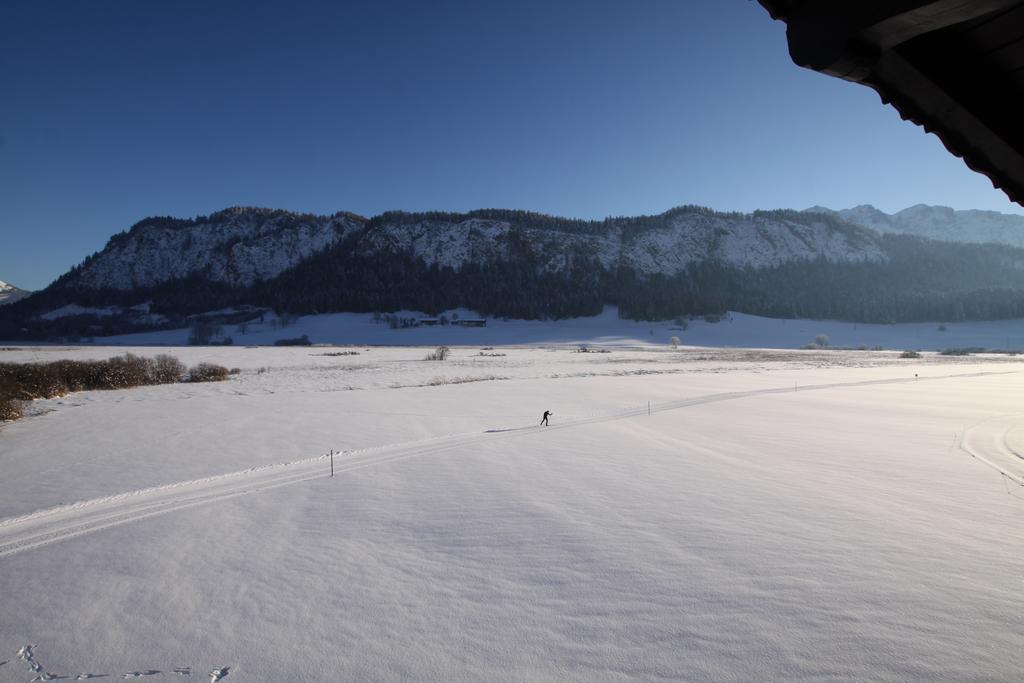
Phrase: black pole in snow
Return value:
(332, 462)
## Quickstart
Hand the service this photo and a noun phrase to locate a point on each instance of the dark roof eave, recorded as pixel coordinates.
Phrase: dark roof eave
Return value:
(920, 101)
(854, 40)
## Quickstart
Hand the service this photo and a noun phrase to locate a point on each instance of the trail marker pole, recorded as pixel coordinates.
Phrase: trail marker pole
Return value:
(648, 408)
(332, 462)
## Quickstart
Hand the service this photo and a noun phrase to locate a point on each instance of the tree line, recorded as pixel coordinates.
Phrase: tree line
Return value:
(919, 280)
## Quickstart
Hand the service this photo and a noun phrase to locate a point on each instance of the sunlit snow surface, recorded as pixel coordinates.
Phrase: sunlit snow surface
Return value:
(776, 515)
(607, 329)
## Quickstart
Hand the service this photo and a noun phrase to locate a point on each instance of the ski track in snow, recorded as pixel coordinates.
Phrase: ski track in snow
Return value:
(989, 442)
(27, 655)
(44, 527)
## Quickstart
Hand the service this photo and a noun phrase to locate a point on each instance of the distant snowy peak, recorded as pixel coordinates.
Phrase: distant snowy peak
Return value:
(9, 293)
(938, 223)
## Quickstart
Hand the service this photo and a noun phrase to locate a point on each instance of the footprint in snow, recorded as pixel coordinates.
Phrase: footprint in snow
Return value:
(183, 671)
(218, 674)
(140, 674)
(85, 677)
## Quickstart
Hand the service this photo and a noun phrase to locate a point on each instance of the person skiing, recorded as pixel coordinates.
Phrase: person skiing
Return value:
(544, 419)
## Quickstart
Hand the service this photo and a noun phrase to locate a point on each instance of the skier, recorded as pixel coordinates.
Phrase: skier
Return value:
(544, 420)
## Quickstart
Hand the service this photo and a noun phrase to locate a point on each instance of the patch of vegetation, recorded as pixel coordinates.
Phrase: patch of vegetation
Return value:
(208, 372)
(910, 354)
(297, 341)
(441, 381)
(962, 351)
(23, 382)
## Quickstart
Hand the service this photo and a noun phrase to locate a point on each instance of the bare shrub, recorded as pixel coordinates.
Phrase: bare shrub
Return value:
(910, 354)
(440, 353)
(674, 341)
(11, 408)
(207, 372)
(821, 340)
(21, 382)
(126, 371)
(167, 369)
(29, 381)
(440, 381)
(962, 351)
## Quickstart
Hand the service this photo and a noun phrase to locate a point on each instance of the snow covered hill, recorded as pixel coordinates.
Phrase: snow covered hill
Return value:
(235, 246)
(9, 293)
(241, 246)
(937, 223)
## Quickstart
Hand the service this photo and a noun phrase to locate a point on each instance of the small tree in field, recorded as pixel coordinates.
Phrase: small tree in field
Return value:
(202, 333)
(821, 340)
(440, 353)
(674, 341)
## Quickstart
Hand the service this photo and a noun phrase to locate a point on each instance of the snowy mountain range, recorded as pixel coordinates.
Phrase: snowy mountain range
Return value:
(241, 246)
(858, 264)
(937, 223)
(9, 293)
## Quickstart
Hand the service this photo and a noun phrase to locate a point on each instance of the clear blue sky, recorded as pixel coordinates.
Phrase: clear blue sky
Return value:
(113, 111)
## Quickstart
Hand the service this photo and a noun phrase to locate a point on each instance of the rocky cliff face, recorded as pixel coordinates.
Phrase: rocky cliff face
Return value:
(667, 245)
(236, 246)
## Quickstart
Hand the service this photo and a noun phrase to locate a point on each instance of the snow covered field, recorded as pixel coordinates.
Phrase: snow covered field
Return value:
(736, 330)
(693, 514)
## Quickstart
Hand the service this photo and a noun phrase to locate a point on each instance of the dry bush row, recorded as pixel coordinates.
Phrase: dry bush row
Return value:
(21, 382)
